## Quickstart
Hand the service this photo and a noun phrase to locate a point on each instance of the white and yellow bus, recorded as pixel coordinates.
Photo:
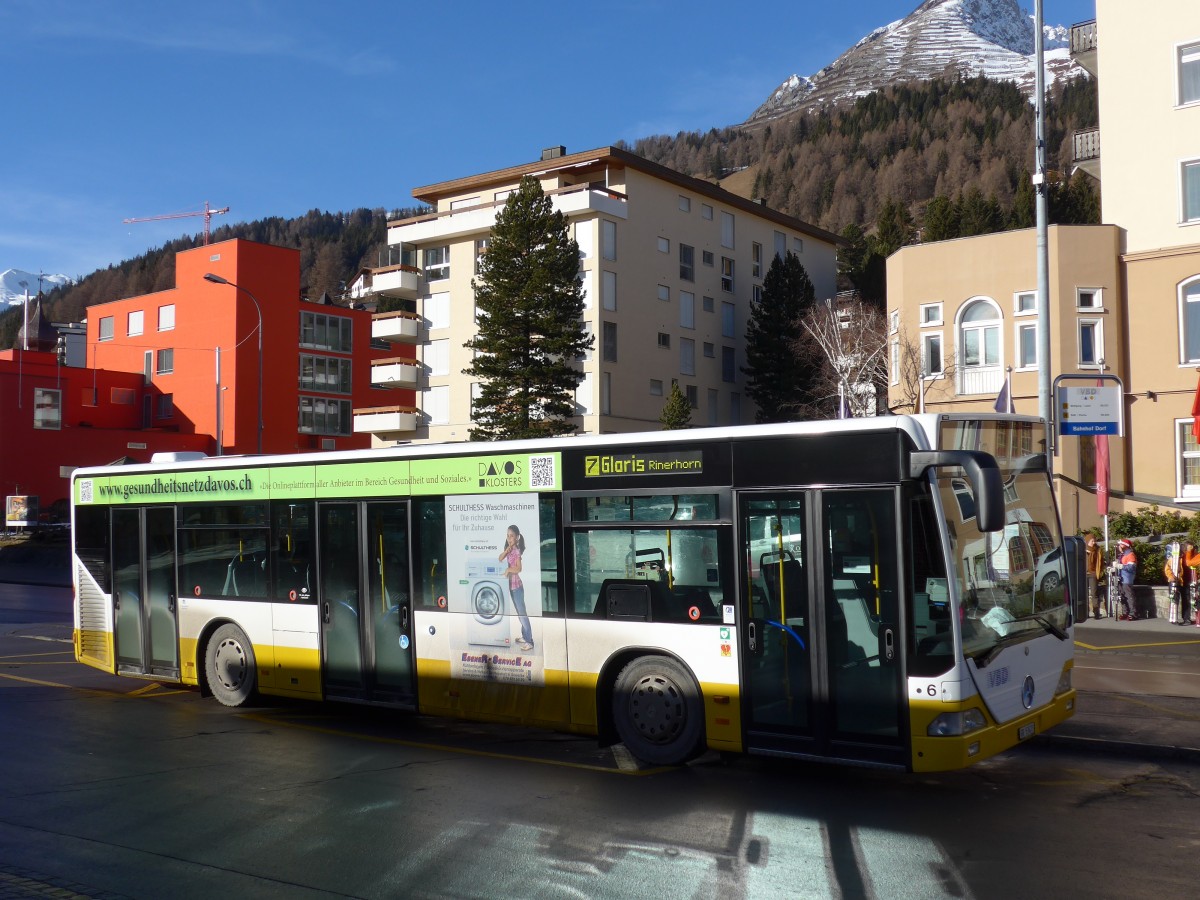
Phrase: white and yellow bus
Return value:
(795, 590)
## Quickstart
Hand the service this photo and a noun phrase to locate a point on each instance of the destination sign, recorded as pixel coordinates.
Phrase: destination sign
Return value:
(603, 465)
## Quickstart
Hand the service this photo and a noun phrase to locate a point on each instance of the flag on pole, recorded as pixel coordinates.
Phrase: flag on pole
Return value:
(1196, 413)
(843, 404)
(1004, 401)
(1102, 473)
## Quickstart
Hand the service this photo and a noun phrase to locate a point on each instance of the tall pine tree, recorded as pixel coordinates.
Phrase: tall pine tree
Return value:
(529, 303)
(776, 378)
(676, 412)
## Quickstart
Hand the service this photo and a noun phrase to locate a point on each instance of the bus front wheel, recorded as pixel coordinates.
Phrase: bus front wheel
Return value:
(229, 665)
(657, 711)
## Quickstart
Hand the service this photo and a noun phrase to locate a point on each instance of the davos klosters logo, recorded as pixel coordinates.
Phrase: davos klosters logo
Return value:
(501, 473)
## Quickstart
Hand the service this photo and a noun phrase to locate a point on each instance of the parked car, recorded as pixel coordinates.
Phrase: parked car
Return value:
(1050, 572)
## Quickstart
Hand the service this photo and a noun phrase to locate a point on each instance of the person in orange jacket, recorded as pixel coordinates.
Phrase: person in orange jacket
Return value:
(1095, 572)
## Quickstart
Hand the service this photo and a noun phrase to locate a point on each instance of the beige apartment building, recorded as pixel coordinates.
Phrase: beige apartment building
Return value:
(1124, 296)
(670, 266)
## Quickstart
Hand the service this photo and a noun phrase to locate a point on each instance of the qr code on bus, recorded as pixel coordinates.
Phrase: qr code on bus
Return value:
(541, 472)
(85, 490)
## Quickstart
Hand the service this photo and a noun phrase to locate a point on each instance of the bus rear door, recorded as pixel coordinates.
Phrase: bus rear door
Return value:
(820, 625)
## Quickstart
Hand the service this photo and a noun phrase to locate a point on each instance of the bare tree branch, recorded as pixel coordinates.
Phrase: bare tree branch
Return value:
(850, 337)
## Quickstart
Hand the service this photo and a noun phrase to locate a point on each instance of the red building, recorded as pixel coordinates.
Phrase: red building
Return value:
(181, 369)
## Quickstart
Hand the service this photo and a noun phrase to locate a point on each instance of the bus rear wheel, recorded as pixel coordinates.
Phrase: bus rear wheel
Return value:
(657, 711)
(229, 666)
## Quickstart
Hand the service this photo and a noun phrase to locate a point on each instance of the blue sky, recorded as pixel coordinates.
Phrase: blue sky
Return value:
(274, 107)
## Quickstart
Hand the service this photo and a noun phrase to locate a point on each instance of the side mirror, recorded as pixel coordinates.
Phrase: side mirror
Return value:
(982, 472)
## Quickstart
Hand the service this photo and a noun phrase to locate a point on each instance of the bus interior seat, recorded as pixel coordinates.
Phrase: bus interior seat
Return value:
(861, 629)
(784, 581)
(245, 576)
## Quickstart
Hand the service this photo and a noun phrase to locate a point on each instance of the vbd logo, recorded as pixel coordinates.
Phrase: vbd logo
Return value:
(501, 473)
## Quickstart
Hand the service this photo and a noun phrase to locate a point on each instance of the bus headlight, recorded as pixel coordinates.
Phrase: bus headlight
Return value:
(1064, 682)
(956, 723)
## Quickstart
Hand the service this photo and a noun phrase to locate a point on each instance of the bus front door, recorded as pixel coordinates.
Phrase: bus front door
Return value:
(145, 630)
(820, 625)
(366, 625)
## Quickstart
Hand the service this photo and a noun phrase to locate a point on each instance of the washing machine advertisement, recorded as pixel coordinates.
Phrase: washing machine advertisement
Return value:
(492, 544)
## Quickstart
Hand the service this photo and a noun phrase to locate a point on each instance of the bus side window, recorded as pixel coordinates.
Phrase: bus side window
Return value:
(429, 552)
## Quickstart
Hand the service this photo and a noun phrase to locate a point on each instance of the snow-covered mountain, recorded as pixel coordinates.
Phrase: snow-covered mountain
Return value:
(10, 285)
(973, 37)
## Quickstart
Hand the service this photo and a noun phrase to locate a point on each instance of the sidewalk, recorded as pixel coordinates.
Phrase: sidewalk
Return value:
(1152, 726)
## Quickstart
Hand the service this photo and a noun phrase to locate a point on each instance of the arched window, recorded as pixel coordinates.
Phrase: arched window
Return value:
(1189, 321)
(979, 347)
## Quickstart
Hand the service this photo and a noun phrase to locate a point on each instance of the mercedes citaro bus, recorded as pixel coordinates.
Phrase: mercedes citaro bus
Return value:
(859, 591)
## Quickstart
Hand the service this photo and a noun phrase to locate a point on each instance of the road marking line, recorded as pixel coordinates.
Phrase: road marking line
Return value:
(41, 637)
(66, 653)
(1134, 646)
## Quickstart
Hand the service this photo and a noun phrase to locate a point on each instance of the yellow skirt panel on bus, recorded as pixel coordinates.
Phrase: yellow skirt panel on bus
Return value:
(722, 716)
(189, 665)
(545, 704)
(296, 672)
(95, 648)
(940, 754)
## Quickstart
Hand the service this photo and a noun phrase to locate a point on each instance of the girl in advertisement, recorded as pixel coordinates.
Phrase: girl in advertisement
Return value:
(514, 547)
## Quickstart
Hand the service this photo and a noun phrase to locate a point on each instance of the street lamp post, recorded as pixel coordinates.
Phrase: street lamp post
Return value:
(217, 279)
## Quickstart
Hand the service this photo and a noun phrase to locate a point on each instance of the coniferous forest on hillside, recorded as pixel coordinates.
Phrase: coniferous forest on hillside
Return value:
(948, 158)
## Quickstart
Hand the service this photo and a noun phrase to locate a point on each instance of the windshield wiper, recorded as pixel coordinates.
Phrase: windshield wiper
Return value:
(1050, 627)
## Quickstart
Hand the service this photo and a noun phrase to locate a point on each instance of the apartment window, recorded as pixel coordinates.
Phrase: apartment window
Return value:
(435, 403)
(437, 263)
(980, 335)
(321, 415)
(893, 321)
(1187, 461)
(437, 310)
(133, 324)
(321, 332)
(1025, 303)
(1189, 321)
(1189, 74)
(780, 245)
(706, 211)
(894, 362)
(706, 257)
(606, 393)
(585, 233)
(1191, 191)
(687, 262)
(727, 230)
(1027, 341)
(710, 350)
(931, 355)
(437, 357)
(713, 404)
(756, 293)
(664, 245)
(608, 239)
(727, 317)
(728, 365)
(656, 387)
(482, 244)
(693, 396)
(106, 328)
(609, 342)
(708, 304)
(727, 274)
(1089, 298)
(756, 258)
(608, 290)
(664, 340)
(664, 292)
(327, 374)
(685, 203)
(166, 317)
(687, 356)
(1091, 341)
(687, 310)
(47, 409)
(931, 314)
(166, 406)
(164, 363)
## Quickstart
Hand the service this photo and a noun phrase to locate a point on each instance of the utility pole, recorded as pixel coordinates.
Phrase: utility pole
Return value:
(1045, 401)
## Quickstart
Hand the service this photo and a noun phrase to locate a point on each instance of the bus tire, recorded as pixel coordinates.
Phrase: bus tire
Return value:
(229, 666)
(657, 711)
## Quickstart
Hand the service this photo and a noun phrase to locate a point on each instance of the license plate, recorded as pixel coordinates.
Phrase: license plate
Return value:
(1026, 731)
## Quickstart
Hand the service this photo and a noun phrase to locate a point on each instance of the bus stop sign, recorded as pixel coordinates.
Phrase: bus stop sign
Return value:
(1089, 410)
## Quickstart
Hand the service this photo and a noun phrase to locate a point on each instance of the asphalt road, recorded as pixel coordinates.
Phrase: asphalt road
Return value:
(117, 787)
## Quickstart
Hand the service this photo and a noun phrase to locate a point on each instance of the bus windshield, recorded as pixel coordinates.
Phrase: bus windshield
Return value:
(1011, 583)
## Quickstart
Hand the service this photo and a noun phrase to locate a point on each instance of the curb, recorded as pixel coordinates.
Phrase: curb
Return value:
(1122, 748)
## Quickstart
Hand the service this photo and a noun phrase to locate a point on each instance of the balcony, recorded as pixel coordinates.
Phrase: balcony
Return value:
(389, 421)
(1085, 153)
(396, 373)
(980, 379)
(1084, 43)
(400, 280)
(396, 327)
(573, 200)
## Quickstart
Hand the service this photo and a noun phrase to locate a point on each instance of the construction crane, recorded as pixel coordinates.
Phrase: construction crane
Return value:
(208, 212)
